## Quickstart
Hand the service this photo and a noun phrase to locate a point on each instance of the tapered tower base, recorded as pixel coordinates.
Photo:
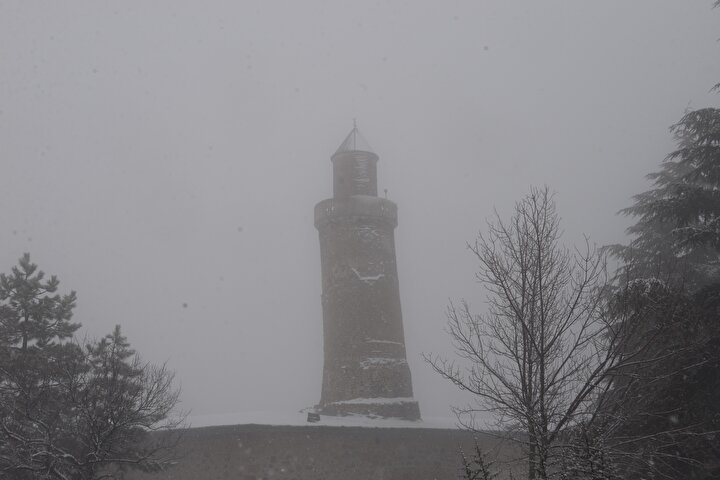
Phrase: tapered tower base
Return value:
(402, 408)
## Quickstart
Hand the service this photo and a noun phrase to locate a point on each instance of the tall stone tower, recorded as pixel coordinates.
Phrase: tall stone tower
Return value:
(366, 370)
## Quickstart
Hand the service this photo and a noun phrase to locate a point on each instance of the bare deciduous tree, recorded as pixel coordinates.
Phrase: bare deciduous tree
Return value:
(562, 367)
(538, 354)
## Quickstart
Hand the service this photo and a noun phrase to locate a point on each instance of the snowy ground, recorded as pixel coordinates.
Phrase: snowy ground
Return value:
(300, 419)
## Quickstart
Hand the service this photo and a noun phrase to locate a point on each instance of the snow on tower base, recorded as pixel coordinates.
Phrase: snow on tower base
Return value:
(404, 408)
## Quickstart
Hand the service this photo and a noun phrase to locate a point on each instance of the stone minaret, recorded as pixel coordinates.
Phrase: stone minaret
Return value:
(365, 370)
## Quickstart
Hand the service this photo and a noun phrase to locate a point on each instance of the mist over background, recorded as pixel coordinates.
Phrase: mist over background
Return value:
(164, 158)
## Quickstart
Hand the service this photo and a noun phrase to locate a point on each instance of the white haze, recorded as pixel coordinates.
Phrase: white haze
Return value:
(163, 158)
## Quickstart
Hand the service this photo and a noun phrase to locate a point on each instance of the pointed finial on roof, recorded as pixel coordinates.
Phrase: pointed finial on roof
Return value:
(354, 141)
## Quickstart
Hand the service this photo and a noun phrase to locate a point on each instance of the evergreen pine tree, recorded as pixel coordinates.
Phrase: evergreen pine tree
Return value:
(677, 233)
(476, 467)
(669, 283)
(72, 411)
(35, 328)
(32, 315)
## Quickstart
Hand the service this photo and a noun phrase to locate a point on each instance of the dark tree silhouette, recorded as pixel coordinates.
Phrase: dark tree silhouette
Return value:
(71, 411)
(676, 236)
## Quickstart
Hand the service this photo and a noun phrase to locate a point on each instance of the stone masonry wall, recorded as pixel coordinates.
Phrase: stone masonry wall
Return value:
(258, 452)
(364, 349)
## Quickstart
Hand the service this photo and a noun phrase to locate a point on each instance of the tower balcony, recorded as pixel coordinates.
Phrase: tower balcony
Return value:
(356, 207)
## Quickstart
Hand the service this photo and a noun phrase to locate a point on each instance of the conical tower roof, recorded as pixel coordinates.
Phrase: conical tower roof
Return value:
(354, 142)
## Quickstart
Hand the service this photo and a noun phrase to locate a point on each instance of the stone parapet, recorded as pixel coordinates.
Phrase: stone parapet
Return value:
(356, 208)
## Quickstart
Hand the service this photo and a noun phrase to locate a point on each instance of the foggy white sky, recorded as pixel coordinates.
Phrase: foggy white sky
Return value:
(161, 154)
